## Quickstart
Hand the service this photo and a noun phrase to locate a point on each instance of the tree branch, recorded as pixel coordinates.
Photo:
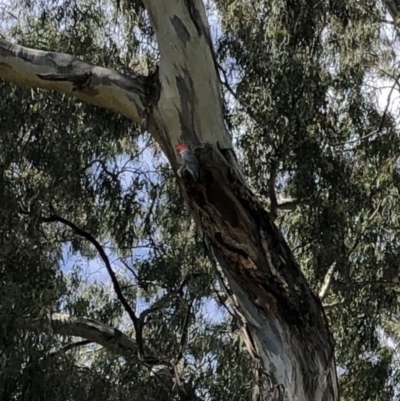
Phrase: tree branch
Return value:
(117, 288)
(327, 281)
(99, 333)
(166, 299)
(382, 121)
(287, 204)
(67, 74)
(120, 344)
(184, 332)
(271, 188)
(332, 305)
(70, 346)
(144, 284)
(159, 305)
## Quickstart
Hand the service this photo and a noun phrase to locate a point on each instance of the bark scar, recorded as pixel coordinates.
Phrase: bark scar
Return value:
(79, 81)
(180, 29)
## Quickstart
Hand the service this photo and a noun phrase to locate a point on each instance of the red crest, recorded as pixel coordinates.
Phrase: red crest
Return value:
(180, 147)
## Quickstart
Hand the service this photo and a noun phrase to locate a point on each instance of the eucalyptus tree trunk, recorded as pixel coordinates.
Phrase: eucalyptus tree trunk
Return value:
(286, 329)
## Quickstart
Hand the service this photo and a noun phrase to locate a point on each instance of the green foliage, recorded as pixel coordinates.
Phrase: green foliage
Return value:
(297, 82)
(101, 173)
(300, 74)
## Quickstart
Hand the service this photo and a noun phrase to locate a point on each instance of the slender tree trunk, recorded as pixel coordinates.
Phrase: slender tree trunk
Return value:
(286, 327)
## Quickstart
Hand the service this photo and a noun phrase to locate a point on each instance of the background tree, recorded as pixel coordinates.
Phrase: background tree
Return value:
(300, 81)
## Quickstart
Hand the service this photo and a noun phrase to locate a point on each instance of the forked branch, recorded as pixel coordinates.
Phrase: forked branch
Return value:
(54, 218)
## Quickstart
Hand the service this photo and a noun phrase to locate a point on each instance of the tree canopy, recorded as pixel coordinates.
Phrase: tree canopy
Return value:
(310, 93)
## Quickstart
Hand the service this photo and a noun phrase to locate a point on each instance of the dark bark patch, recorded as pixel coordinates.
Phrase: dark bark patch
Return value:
(80, 82)
(9, 53)
(219, 199)
(222, 244)
(186, 118)
(180, 29)
(195, 17)
(152, 88)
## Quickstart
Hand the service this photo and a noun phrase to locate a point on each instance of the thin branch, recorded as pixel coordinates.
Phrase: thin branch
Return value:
(375, 212)
(165, 300)
(184, 332)
(131, 270)
(159, 305)
(117, 288)
(332, 305)
(377, 131)
(327, 281)
(385, 283)
(70, 346)
(226, 294)
(271, 189)
(287, 204)
(370, 218)
(244, 107)
(103, 164)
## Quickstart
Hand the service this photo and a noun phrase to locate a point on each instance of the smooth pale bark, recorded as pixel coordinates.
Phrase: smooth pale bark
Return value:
(190, 105)
(67, 74)
(120, 344)
(286, 325)
(99, 333)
